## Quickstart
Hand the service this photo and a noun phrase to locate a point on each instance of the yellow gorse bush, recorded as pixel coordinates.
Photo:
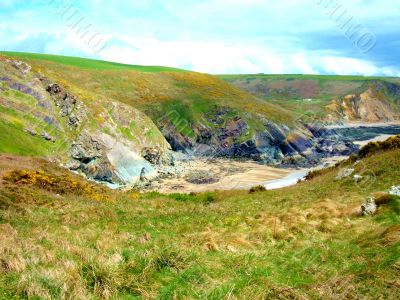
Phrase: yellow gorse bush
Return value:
(64, 184)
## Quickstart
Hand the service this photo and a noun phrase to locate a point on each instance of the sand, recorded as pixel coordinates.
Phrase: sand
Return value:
(232, 175)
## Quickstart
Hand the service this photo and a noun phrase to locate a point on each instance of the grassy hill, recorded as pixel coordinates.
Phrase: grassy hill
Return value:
(303, 242)
(183, 105)
(25, 104)
(87, 63)
(303, 94)
(147, 88)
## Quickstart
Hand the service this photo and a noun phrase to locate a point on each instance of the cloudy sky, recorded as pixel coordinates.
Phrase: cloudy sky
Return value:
(215, 36)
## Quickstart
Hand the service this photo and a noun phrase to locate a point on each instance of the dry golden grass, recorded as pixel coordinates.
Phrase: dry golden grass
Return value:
(302, 242)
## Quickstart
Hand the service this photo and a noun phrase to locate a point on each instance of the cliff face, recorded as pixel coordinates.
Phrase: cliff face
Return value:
(106, 140)
(378, 103)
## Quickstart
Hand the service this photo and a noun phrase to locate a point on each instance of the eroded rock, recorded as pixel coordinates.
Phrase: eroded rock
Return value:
(21, 66)
(48, 137)
(86, 149)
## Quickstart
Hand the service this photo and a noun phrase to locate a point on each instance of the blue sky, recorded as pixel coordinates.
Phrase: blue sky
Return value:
(215, 36)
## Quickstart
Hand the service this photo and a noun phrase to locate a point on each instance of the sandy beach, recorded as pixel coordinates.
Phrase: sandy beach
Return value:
(228, 174)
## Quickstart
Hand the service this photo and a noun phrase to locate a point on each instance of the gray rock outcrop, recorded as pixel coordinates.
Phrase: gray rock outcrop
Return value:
(369, 207)
(344, 173)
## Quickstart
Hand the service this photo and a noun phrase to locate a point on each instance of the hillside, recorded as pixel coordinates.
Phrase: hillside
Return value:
(304, 242)
(325, 96)
(106, 140)
(150, 110)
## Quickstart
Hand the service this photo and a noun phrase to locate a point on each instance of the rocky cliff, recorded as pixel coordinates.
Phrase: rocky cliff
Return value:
(107, 141)
(378, 102)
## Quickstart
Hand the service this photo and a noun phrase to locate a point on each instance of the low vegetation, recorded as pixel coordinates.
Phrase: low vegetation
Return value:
(257, 189)
(162, 93)
(64, 184)
(303, 242)
(376, 147)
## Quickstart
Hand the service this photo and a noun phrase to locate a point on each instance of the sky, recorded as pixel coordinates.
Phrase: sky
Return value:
(360, 37)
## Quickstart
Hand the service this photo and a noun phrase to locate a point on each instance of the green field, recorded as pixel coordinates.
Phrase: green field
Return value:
(85, 63)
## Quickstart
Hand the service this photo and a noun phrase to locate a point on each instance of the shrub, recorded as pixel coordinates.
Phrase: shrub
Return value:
(257, 189)
(374, 147)
(60, 184)
(312, 174)
(169, 259)
(209, 198)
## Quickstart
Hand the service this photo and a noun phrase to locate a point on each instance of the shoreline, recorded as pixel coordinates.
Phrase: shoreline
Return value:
(363, 124)
(225, 174)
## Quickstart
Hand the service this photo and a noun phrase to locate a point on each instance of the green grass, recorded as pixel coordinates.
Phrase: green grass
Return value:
(299, 242)
(15, 140)
(85, 63)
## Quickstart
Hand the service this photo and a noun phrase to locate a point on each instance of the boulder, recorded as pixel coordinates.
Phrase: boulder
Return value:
(395, 191)
(145, 175)
(65, 101)
(68, 105)
(151, 154)
(357, 178)
(100, 170)
(48, 137)
(344, 173)
(31, 131)
(369, 207)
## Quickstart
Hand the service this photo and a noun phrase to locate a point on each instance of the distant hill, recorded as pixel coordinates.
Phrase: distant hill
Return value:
(303, 94)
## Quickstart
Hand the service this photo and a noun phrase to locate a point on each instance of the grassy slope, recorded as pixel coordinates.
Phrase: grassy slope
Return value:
(88, 63)
(156, 93)
(299, 242)
(20, 110)
(17, 113)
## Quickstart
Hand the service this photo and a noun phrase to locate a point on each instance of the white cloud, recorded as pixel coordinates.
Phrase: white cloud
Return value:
(301, 62)
(218, 57)
(214, 36)
(203, 56)
(348, 66)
